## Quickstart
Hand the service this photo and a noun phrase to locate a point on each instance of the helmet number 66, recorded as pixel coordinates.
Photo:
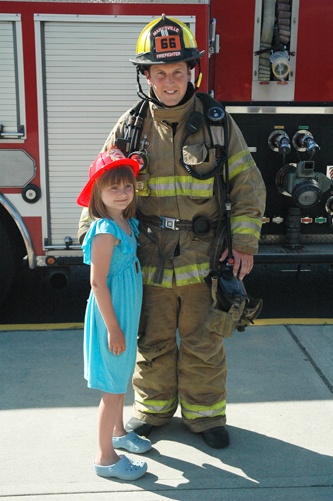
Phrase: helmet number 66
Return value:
(167, 43)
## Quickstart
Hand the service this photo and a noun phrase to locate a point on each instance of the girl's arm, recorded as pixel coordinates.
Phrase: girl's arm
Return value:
(101, 254)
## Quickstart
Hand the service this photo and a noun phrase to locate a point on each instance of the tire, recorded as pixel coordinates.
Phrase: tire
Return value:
(8, 266)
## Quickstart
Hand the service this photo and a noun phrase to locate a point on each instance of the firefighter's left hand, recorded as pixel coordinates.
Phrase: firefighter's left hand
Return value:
(243, 262)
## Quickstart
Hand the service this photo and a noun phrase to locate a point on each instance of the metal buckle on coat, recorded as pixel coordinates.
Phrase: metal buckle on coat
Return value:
(169, 223)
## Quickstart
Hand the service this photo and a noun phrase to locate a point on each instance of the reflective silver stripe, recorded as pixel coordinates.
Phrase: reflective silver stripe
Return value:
(180, 186)
(184, 276)
(245, 225)
(155, 406)
(240, 162)
(200, 411)
(148, 276)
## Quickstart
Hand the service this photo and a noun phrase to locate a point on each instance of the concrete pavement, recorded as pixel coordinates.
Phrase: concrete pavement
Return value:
(280, 419)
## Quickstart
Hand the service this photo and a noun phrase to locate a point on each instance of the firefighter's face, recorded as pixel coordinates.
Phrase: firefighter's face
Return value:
(169, 81)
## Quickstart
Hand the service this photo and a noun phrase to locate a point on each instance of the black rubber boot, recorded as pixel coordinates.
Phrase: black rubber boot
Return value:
(218, 437)
(140, 427)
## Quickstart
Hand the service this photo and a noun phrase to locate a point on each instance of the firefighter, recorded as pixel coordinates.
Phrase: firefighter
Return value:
(180, 361)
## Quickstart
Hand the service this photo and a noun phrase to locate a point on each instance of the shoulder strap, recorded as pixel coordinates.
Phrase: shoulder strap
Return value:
(215, 118)
(217, 125)
(131, 141)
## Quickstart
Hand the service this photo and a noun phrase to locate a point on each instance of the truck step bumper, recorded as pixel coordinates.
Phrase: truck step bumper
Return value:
(308, 253)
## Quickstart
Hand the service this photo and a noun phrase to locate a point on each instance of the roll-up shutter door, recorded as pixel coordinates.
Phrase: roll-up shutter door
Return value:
(88, 83)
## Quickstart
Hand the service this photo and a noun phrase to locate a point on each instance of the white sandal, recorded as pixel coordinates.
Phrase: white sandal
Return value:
(124, 469)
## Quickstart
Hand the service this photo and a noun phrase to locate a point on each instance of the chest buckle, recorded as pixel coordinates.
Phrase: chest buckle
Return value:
(170, 223)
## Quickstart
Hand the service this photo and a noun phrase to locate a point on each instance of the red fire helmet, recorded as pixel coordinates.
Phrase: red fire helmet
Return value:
(110, 159)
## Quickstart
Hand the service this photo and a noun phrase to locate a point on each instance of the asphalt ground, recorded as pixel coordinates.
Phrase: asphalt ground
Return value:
(280, 415)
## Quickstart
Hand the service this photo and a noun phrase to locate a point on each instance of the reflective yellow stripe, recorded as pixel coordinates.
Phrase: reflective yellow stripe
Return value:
(148, 273)
(239, 163)
(170, 186)
(155, 406)
(191, 274)
(245, 225)
(185, 275)
(200, 411)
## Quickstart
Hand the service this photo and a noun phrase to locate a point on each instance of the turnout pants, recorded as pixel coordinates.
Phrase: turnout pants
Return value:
(189, 369)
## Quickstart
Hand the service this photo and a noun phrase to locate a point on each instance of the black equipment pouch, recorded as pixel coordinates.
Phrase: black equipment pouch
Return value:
(232, 308)
(230, 288)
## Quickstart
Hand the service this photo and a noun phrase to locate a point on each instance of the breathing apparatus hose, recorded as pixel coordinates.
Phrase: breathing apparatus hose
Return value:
(193, 125)
(217, 169)
(137, 126)
(227, 199)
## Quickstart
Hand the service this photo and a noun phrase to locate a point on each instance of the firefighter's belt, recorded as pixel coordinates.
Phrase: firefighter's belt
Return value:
(200, 225)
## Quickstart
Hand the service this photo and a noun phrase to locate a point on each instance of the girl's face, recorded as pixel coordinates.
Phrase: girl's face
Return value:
(169, 82)
(116, 197)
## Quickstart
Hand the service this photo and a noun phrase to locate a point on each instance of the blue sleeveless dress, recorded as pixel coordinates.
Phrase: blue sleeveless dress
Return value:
(104, 370)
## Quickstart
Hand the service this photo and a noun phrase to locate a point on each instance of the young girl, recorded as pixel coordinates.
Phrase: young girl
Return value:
(113, 309)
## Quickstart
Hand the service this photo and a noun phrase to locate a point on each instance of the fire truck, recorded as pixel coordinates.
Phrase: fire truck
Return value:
(66, 78)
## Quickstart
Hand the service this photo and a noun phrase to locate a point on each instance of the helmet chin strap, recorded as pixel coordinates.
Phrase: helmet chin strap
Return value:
(197, 81)
(141, 94)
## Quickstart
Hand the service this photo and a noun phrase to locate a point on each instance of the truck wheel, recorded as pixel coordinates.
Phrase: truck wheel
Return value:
(8, 264)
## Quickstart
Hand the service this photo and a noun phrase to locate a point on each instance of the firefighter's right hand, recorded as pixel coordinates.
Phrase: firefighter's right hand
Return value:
(243, 263)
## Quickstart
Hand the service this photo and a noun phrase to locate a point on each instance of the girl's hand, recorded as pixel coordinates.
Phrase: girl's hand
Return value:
(116, 341)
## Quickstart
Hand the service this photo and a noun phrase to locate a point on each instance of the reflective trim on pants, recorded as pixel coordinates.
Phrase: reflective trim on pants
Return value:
(195, 368)
(156, 406)
(202, 411)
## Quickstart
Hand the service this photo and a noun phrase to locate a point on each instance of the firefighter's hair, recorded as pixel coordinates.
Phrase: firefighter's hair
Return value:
(121, 175)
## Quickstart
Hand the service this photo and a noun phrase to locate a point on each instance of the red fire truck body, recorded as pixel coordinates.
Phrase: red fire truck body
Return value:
(66, 78)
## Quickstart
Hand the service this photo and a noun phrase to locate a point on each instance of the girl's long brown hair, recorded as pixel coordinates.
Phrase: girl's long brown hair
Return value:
(119, 175)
